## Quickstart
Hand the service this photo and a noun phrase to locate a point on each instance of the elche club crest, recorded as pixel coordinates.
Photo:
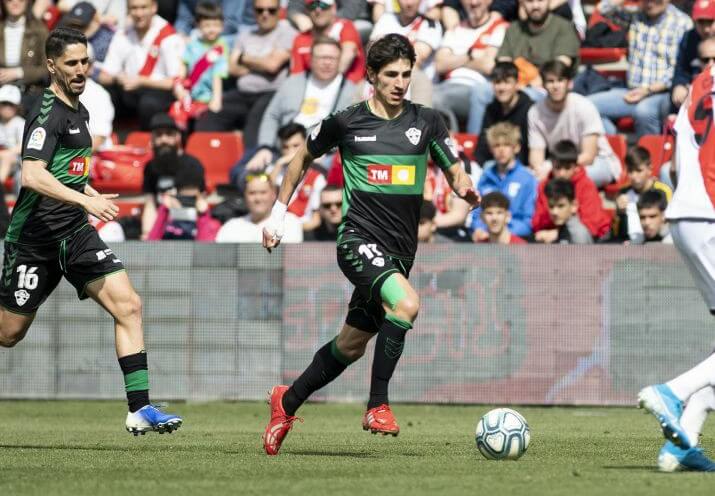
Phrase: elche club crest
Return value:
(413, 134)
(21, 297)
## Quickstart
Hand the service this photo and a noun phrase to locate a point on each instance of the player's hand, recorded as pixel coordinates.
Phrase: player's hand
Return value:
(102, 207)
(273, 231)
(471, 196)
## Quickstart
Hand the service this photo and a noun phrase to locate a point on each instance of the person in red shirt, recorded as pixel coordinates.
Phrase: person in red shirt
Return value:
(327, 23)
(496, 216)
(564, 158)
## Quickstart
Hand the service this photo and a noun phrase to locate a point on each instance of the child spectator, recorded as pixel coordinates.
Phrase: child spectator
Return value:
(640, 174)
(496, 217)
(507, 175)
(184, 212)
(651, 211)
(205, 67)
(591, 213)
(563, 213)
(11, 128)
(427, 228)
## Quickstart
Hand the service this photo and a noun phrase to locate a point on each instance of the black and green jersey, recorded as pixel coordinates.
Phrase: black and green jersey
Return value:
(384, 166)
(58, 135)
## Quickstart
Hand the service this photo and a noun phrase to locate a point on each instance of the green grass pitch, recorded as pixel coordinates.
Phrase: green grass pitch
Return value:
(81, 448)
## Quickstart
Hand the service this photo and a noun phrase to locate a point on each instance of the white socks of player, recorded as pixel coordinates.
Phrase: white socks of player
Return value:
(695, 379)
(696, 411)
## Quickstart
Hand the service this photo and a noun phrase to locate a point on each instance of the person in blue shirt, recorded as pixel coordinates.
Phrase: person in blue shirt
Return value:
(510, 177)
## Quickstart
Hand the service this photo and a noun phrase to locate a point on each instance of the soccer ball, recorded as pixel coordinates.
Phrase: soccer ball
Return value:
(502, 434)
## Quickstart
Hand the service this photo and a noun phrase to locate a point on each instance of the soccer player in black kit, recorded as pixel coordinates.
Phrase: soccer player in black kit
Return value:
(49, 236)
(384, 143)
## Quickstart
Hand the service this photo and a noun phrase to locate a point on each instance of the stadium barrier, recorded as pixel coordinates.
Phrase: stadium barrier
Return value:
(498, 324)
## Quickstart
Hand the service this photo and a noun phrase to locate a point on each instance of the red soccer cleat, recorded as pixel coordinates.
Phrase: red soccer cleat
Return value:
(280, 423)
(380, 419)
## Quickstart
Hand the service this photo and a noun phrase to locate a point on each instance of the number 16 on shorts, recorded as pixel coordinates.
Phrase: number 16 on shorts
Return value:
(27, 280)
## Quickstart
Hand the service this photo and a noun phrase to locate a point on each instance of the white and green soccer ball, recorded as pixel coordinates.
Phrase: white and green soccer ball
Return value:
(503, 434)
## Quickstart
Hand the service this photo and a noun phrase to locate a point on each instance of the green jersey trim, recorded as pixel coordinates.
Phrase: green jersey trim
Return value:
(441, 158)
(21, 212)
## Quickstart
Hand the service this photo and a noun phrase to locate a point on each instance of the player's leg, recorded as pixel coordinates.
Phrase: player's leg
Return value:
(13, 327)
(696, 243)
(401, 304)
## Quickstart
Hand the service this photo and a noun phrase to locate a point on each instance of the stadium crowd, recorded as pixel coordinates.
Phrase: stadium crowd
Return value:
(213, 97)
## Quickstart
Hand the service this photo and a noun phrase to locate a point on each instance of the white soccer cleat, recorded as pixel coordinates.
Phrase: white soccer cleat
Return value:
(150, 419)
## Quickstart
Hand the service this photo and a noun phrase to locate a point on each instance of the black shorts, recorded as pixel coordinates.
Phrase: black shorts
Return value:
(31, 272)
(367, 267)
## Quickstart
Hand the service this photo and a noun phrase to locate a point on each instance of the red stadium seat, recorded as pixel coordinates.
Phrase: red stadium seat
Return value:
(590, 56)
(129, 208)
(467, 143)
(619, 146)
(119, 170)
(660, 148)
(139, 139)
(218, 152)
(625, 124)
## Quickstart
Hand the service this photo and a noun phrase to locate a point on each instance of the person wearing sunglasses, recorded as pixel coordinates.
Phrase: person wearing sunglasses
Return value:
(331, 215)
(325, 22)
(385, 143)
(259, 61)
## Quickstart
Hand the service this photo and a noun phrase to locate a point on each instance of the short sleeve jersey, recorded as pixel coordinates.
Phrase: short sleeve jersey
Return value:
(384, 166)
(58, 135)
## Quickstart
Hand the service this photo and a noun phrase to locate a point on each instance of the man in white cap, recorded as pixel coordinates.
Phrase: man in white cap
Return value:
(11, 127)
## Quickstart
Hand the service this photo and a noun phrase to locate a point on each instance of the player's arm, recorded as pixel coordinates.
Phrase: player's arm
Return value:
(36, 177)
(461, 184)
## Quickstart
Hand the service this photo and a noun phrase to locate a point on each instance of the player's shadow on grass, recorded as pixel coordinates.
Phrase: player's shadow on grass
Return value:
(347, 454)
(643, 468)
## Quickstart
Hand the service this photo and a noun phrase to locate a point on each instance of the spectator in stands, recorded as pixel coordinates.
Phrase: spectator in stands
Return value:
(651, 211)
(305, 98)
(496, 216)
(11, 130)
(425, 35)
(355, 11)
(112, 13)
(508, 176)
(565, 115)
(184, 212)
(260, 62)
(259, 196)
(238, 17)
(430, 9)
(688, 64)
(563, 214)
(540, 38)
(205, 66)
(85, 17)
(142, 63)
(640, 177)
(427, 227)
(466, 59)
(22, 49)
(509, 105)
(323, 15)
(654, 34)
(160, 172)
(591, 213)
(100, 107)
(331, 215)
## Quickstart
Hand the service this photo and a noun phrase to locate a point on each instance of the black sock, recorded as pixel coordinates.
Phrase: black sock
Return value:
(136, 380)
(388, 349)
(328, 363)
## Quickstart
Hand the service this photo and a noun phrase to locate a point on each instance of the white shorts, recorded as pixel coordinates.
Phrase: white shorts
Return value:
(695, 241)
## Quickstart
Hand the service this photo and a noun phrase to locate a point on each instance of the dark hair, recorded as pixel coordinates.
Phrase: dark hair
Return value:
(325, 40)
(290, 129)
(60, 38)
(495, 199)
(388, 49)
(427, 210)
(208, 10)
(189, 177)
(564, 152)
(636, 157)
(653, 198)
(559, 188)
(556, 68)
(503, 71)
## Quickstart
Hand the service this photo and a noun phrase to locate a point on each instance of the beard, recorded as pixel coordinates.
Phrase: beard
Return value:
(166, 159)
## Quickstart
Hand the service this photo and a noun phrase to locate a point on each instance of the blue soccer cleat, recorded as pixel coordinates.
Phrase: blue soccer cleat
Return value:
(150, 418)
(673, 459)
(667, 408)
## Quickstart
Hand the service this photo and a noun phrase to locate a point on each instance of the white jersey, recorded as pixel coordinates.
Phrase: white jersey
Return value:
(694, 196)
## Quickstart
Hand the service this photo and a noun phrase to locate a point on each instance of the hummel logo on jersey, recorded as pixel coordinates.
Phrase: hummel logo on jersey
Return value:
(365, 138)
(73, 130)
(413, 134)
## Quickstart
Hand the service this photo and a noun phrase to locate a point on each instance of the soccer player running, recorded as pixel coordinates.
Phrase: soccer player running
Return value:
(49, 236)
(682, 404)
(384, 143)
